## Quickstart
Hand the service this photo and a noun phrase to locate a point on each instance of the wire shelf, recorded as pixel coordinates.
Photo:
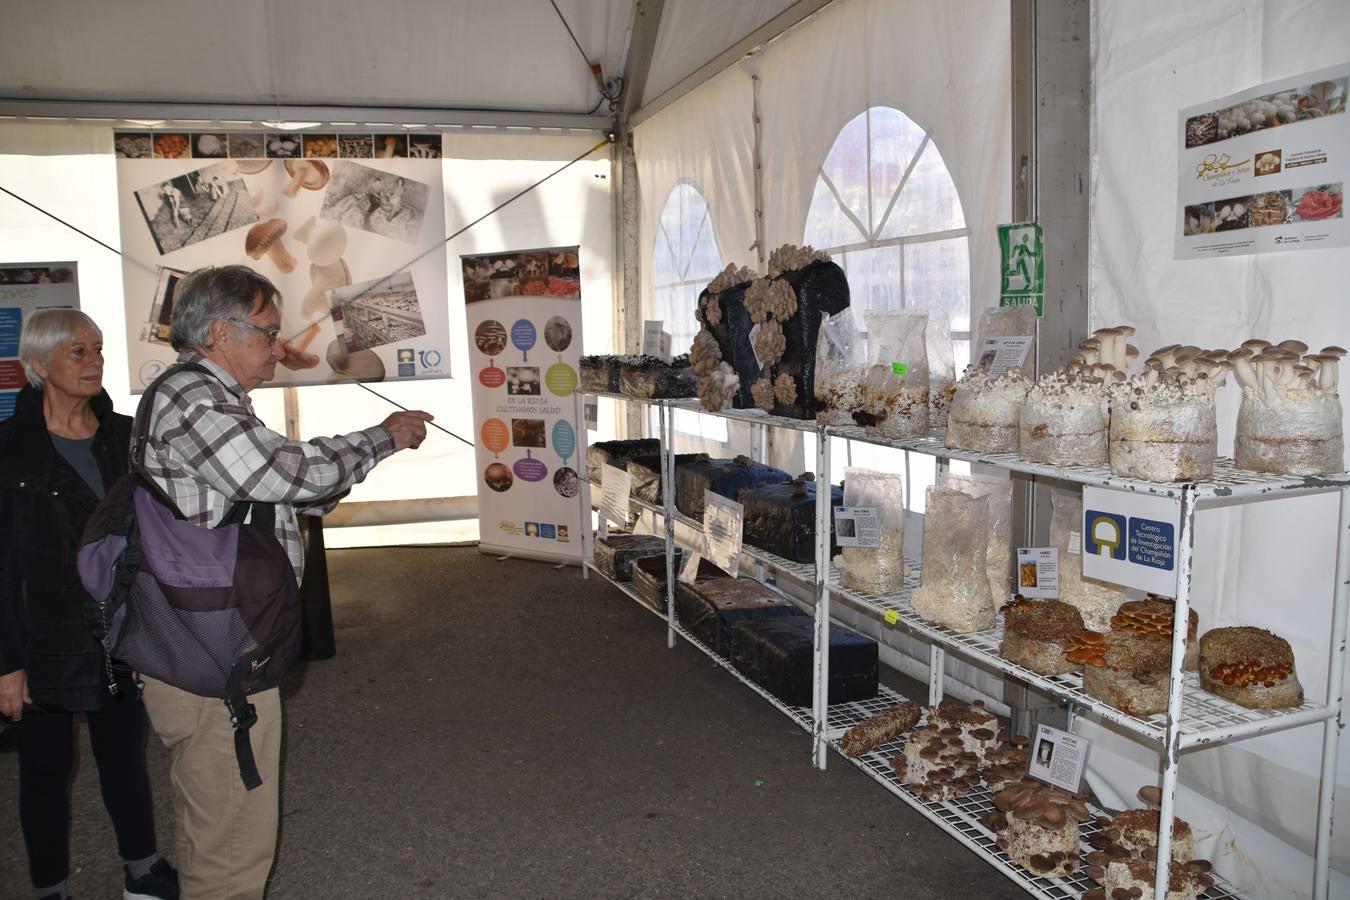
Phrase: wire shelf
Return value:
(962, 819)
(1205, 717)
(749, 416)
(1228, 481)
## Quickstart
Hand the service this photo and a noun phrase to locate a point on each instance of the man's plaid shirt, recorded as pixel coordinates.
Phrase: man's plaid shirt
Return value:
(207, 449)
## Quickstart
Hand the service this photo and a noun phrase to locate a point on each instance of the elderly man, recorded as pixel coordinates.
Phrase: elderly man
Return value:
(207, 449)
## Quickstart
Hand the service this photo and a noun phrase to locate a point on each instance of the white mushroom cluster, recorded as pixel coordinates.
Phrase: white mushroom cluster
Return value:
(704, 353)
(1185, 369)
(1258, 113)
(729, 277)
(789, 258)
(1271, 371)
(769, 342)
(716, 390)
(767, 297)
(1106, 352)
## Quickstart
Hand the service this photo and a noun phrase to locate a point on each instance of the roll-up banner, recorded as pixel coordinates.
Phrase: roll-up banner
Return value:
(348, 226)
(24, 289)
(523, 312)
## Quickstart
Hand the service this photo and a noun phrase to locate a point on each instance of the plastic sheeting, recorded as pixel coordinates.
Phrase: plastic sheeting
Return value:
(1253, 804)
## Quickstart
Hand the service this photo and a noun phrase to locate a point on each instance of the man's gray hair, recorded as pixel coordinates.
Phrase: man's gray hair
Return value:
(211, 293)
(44, 331)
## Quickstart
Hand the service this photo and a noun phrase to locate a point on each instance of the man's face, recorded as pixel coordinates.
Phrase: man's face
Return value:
(247, 353)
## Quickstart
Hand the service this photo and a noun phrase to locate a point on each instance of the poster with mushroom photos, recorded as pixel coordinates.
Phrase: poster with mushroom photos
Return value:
(348, 226)
(1265, 170)
(523, 312)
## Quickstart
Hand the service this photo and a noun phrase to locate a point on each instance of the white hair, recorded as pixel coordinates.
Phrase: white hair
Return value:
(44, 331)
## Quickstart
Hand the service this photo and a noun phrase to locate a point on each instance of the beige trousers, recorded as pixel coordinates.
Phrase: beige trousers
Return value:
(225, 835)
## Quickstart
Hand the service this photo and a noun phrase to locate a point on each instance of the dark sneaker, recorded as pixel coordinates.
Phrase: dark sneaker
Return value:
(160, 883)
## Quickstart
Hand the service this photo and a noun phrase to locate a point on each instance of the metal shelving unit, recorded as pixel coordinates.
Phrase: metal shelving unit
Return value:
(1194, 718)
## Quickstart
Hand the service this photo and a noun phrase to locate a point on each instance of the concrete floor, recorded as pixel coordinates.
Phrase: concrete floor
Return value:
(504, 729)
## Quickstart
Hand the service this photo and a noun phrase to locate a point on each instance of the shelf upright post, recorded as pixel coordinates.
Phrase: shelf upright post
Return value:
(1172, 746)
(820, 706)
(937, 670)
(583, 482)
(666, 417)
(1331, 737)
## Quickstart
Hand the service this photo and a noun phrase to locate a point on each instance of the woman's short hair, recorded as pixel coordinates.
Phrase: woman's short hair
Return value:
(44, 331)
(211, 293)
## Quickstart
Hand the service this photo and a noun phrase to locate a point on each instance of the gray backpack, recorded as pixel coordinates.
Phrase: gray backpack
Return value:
(212, 611)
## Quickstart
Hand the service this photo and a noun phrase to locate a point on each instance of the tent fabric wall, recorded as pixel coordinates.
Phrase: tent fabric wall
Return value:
(944, 64)
(70, 171)
(1255, 801)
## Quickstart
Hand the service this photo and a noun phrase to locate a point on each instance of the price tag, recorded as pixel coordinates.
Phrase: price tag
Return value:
(1038, 572)
(857, 526)
(999, 354)
(901, 369)
(615, 487)
(891, 617)
(1059, 757)
(723, 520)
(655, 340)
(1075, 543)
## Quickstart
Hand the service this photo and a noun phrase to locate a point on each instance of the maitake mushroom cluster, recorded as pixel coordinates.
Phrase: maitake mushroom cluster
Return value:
(790, 257)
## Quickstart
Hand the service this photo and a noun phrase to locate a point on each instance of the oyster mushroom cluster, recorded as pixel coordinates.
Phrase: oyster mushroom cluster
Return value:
(770, 297)
(790, 257)
(1107, 351)
(1289, 421)
(729, 277)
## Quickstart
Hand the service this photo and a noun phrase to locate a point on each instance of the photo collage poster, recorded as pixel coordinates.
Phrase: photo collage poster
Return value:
(348, 226)
(24, 289)
(523, 310)
(1265, 170)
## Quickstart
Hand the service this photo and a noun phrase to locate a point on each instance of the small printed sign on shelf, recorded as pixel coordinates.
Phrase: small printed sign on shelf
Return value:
(1131, 539)
(999, 354)
(615, 487)
(723, 521)
(655, 339)
(1059, 757)
(1038, 572)
(857, 526)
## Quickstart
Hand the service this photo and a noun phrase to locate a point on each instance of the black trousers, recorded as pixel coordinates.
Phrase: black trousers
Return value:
(46, 761)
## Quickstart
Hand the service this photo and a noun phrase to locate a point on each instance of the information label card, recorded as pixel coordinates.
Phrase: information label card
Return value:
(1131, 539)
(723, 520)
(857, 526)
(1038, 572)
(1059, 757)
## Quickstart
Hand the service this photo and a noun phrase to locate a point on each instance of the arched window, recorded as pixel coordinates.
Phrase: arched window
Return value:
(886, 209)
(684, 259)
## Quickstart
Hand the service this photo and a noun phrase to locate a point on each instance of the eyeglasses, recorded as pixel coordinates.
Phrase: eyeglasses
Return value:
(270, 333)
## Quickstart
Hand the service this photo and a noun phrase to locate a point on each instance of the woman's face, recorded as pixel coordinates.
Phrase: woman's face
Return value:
(76, 368)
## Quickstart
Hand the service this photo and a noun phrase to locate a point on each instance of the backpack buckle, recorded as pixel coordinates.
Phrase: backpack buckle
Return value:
(242, 719)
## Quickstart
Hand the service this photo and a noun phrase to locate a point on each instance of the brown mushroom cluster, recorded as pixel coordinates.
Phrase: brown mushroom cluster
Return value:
(709, 309)
(1007, 764)
(767, 297)
(1246, 674)
(935, 764)
(716, 390)
(1087, 648)
(761, 391)
(1044, 804)
(785, 389)
(1153, 616)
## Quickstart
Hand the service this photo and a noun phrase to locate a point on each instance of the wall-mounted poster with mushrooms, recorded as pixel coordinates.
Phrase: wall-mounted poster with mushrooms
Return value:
(343, 224)
(523, 311)
(24, 289)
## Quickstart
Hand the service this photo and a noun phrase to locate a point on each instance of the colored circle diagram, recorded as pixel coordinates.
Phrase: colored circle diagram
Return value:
(564, 439)
(492, 376)
(495, 436)
(523, 336)
(561, 378)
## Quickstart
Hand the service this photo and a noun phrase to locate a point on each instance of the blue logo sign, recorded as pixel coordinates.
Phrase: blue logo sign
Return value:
(1103, 534)
(546, 531)
(1152, 544)
(430, 359)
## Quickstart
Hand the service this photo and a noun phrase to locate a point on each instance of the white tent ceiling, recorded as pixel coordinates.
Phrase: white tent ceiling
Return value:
(500, 55)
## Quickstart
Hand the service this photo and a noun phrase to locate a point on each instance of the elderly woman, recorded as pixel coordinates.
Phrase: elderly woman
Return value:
(62, 447)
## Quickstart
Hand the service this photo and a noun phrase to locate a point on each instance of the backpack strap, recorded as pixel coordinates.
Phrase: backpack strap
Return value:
(243, 716)
(141, 438)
